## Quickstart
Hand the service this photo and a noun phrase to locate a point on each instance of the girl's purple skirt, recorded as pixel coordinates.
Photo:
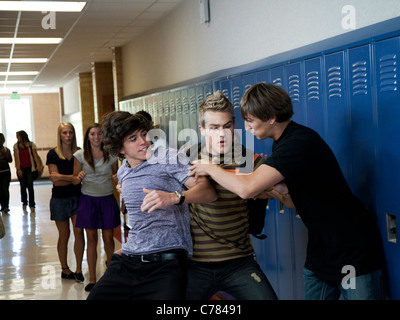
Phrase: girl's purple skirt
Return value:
(98, 212)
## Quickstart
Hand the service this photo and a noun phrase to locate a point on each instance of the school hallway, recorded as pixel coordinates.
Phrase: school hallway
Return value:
(29, 265)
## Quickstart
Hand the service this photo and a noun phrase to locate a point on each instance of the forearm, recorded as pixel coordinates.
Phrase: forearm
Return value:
(236, 183)
(202, 192)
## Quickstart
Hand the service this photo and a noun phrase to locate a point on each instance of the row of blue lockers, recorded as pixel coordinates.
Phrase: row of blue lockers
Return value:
(350, 96)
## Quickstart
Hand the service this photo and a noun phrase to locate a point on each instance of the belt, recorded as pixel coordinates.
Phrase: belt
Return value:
(157, 257)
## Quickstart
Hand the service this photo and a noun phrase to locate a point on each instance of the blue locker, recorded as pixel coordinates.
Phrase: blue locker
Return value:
(313, 85)
(263, 146)
(193, 108)
(388, 177)
(155, 116)
(337, 119)
(295, 89)
(249, 140)
(165, 98)
(225, 87)
(294, 83)
(161, 114)
(236, 95)
(172, 124)
(362, 129)
(263, 76)
(179, 115)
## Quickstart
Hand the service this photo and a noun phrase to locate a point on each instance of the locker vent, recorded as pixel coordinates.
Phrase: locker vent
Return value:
(359, 76)
(185, 104)
(294, 87)
(236, 96)
(387, 71)
(334, 82)
(313, 85)
(278, 82)
(192, 104)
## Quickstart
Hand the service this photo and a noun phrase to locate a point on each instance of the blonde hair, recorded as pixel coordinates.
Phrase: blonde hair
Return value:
(217, 102)
(58, 148)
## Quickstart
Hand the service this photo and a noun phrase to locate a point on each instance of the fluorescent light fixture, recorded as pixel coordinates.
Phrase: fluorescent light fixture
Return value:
(30, 40)
(19, 73)
(57, 6)
(16, 82)
(23, 60)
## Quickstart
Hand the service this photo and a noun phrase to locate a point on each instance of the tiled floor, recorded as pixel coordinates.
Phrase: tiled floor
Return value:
(29, 265)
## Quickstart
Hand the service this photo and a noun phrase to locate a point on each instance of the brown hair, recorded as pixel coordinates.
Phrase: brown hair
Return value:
(87, 148)
(265, 100)
(119, 124)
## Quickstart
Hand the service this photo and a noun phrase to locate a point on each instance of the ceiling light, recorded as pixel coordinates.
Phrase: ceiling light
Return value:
(19, 73)
(57, 6)
(16, 82)
(23, 60)
(30, 40)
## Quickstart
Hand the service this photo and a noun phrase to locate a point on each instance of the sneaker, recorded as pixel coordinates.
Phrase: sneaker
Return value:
(24, 208)
(32, 209)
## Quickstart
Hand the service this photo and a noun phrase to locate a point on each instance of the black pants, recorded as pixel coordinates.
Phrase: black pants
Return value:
(26, 182)
(127, 278)
(5, 178)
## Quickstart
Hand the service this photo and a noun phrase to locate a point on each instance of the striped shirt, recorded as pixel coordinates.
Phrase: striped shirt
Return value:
(220, 229)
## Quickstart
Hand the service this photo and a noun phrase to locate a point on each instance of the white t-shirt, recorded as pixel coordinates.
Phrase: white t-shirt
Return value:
(96, 183)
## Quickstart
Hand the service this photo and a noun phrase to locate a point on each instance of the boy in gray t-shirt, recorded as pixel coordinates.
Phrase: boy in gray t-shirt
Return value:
(152, 264)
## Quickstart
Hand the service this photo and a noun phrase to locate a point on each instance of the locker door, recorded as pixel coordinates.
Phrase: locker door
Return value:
(172, 124)
(208, 90)
(263, 76)
(314, 95)
(337, 124)
(179, 115)
(295, 84)
(363, 131)
(237, 93)
(284, 224)
(156, 118)
(226, 88)
(388, 182)
(193, 108)
(161, 114)
(249, 140)
(165, 97)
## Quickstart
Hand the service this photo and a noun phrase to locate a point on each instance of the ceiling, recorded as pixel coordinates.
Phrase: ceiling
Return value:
(87, 37)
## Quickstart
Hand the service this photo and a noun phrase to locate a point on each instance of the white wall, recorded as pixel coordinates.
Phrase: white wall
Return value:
(71, 97)
(180, 48)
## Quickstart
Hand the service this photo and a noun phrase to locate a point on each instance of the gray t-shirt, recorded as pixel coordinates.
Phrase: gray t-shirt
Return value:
(96, 183)
(165, 228)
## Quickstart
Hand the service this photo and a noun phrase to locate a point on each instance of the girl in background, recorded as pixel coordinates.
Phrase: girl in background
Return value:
(98, 208)
(65, 198)
(25, 155)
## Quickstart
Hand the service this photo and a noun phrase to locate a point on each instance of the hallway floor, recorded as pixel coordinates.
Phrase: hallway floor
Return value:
(29, 265)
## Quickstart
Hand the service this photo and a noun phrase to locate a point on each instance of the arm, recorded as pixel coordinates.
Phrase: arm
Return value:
(17, 164)
(6, 154)
(58, 179)
(200, 191)
(245, 186)
(78, 175)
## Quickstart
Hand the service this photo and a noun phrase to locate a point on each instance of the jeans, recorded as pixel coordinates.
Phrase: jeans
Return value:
(128, 278)
(364, 287)
(26, 182)
(241, 278)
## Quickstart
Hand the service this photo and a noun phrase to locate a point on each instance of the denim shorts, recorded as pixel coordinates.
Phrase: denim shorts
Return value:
(61, 209)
